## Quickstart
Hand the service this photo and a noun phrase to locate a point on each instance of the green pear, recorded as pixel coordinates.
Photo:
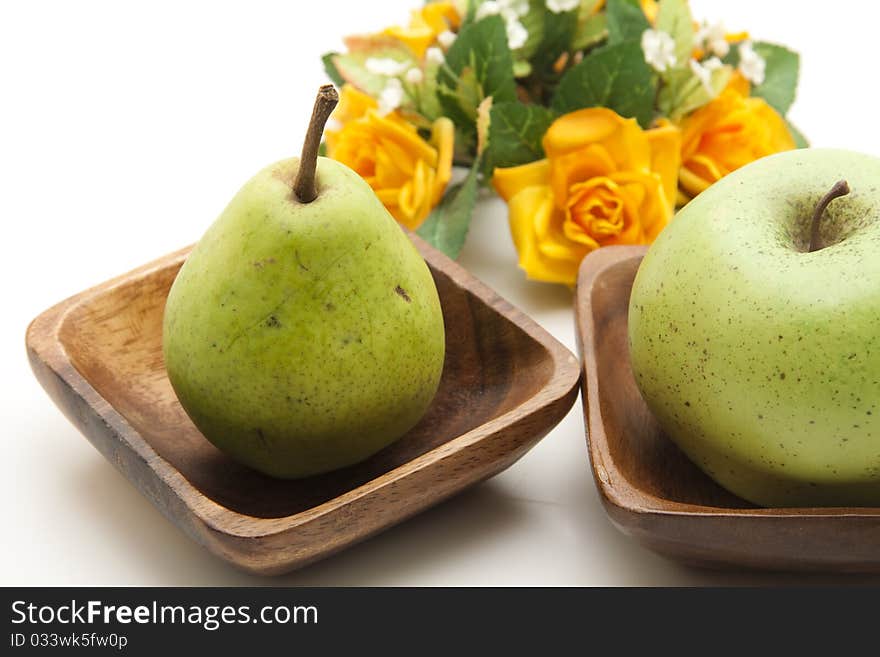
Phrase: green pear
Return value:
(302, 336)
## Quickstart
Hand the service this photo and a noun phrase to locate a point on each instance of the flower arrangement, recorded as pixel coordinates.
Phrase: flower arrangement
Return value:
(592, 119)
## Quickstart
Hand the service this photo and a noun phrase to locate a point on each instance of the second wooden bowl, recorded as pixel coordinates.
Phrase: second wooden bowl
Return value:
(652, 491)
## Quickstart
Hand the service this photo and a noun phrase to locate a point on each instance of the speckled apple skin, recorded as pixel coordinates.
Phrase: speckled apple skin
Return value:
(760, 360)
(301, 338)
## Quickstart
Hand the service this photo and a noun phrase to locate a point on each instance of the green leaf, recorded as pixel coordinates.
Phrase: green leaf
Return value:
(674, 18)
(351, 67)
(533, 21)
(558, 33)
(780, 76)
(616, 77)
(478, 65)
(483, 120)
(470, 12)
(425, 97)
(330, 68)
(799, 140)
(683, 92)
(447, 226)
(626, 20)
(590, 31)
(515, 134)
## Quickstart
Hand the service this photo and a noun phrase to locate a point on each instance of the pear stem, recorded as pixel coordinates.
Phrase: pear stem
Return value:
(840, 188)
(304, 185)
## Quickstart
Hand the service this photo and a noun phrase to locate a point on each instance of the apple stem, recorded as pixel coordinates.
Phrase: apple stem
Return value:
(840, 188)
(304, 185)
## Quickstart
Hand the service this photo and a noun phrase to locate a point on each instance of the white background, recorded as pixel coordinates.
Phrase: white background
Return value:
(124, 130)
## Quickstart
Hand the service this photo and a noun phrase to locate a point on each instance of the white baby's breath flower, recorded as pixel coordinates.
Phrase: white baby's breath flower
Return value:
(391, 96)
(517, 35)
(415, 75)
(511, 11)
(561, 6)
(515, 8)
(446, 38)
(711, 38)
(434, 55)
(704, 71)
(384, 66)
(488, 8)
(659, 49)
(751, 64)
(507, 9)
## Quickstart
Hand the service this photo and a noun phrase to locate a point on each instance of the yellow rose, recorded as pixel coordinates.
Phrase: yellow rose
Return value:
(425, 25)
(408, 174)
(604, 181)
(723, 135)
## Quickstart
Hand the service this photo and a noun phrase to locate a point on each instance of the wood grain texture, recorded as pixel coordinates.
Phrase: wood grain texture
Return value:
(654, 493)
(505, 384)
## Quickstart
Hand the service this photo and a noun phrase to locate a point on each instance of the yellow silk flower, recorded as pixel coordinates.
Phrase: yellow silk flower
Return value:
(425, 24)
(408, 174)
(723, 135)
(604, 181)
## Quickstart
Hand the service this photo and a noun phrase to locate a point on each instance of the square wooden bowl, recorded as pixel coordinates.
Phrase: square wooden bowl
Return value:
(651, 490)
(506, 383)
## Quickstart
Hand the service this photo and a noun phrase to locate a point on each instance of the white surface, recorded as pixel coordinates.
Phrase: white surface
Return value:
(124, 130)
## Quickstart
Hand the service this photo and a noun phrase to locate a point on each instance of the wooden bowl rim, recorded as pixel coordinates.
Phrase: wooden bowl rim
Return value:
(617, 489)
(563, 379)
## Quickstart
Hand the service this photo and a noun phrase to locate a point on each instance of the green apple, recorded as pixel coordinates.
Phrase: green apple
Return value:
(759, 356)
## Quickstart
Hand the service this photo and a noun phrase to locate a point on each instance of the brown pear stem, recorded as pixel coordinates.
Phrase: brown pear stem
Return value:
(304, 186)
(840, 188)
